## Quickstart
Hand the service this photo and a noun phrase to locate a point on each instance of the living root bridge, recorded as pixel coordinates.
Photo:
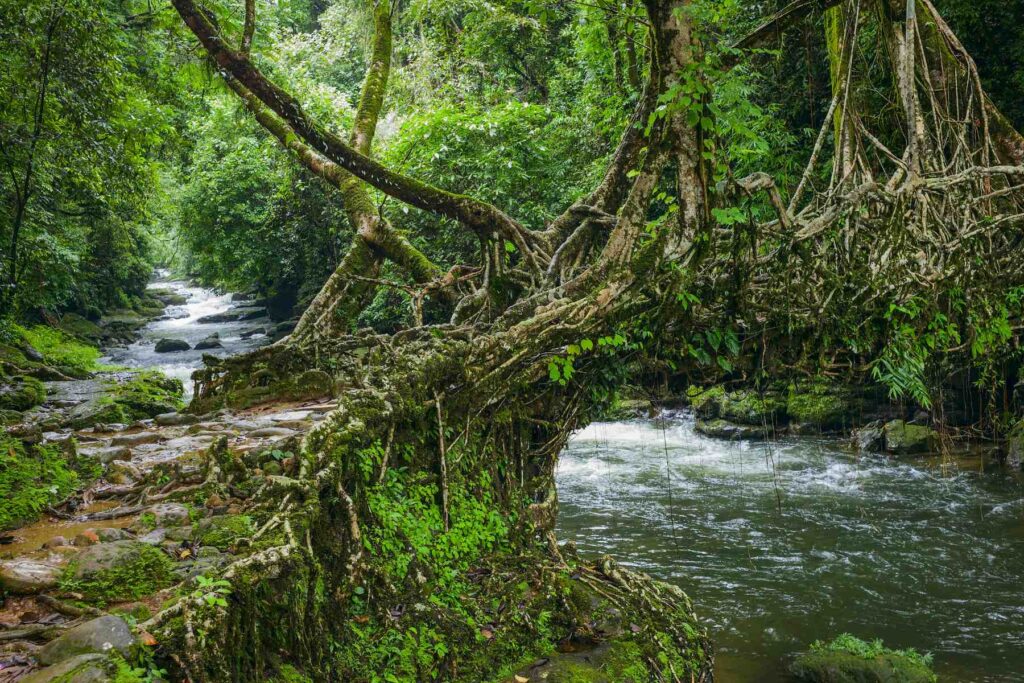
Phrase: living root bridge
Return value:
(425, 503)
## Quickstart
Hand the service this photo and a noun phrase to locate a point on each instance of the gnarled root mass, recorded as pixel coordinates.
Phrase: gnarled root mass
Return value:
(413, 534)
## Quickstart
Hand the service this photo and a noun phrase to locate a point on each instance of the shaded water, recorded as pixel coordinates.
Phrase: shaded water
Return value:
(801, 540)
(182, 322)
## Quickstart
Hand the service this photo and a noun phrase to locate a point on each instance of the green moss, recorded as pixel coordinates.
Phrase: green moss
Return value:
(143, 572)
(31, 478)
(146, 521)
(21, 393)
(224, 531)
(848, 659)
(289, 674)
(61, 349)
(817, 403)
(706, 402)
(625, 663)
(147, 394)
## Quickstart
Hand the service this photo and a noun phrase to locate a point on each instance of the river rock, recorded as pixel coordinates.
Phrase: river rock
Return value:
(100, 636)
(26, 577)
(210, 342)
(175, 419)
(96, 411)
(21, 393)
(267, 432)
(904, 438)
(251, 333)
(870, 437)
(136, 439)
(87, 668)
(109, 454)
(253, 314)
(171, 345)
(169, 514)
(723, 429)
(111, 534)
(31, 353)
(122, 472)
(226, 317)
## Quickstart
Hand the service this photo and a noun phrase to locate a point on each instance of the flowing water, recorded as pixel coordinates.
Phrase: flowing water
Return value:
(182, 322)
(783, 544)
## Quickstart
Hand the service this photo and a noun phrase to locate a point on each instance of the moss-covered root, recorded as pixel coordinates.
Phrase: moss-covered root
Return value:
(848, 659)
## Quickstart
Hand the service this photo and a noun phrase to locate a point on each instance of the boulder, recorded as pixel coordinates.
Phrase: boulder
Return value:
(175, 419)
(21, 393)
(122, 472)
(210, 342)
(87, 668)
(253, 314)
(870, 437)
(250, 333)
(169, 514)
(171, 345)
(226, 317)
(137, 439)
(724, 429)
(96, 411)
(107, 455)
(27, 577)
(111, 534)
(100, 636)
(903, 438)
(851, 660)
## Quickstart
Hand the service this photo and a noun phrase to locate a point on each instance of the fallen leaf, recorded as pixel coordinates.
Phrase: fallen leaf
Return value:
(147, 639)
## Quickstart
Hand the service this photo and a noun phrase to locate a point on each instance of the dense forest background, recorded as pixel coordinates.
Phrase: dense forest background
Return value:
(122, 151)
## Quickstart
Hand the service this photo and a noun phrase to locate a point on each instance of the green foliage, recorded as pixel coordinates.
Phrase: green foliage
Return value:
(31, 479)
(213, 592)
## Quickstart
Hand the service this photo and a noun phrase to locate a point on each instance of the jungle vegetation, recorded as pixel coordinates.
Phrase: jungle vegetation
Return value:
(487, 217)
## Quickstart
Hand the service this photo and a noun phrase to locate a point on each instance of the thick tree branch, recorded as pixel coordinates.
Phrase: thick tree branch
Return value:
(485, 219)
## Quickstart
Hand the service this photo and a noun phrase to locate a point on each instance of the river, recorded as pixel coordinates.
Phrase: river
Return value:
(778, 545)
(182, 322)
(801, 540)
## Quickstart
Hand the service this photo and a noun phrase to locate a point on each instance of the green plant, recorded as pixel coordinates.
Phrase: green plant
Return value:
(31, 478)
(213, 592)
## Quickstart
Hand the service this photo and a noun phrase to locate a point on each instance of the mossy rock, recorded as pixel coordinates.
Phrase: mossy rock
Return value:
(620, 661)
(101, 410)
(80, 327)
(148, 394)
(21, 393)
(31, 477)
(225, 530)
(902, 438)
(818, 406)
(118, 571)
(850, 660)
(724, 429)
(745, 407)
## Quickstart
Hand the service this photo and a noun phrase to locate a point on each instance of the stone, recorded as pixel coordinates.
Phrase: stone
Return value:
(21, 393)
(834, 663)
(136, 439)
(122, 472)
(251, 333)
(210, 342)
(169, 514)
(175, 419)
(109, 454)
(253, 314)
(111, 534)
(95, 411)
(179, 533)
(226, 317)
(870, 437)
(154, 537)
(171, 345)
(87, 668)
(724, 429)
(87, 538)
(267, 432)
(26, 577)
(32, 353)
(904, 438)
(55, 542)
(100, 636)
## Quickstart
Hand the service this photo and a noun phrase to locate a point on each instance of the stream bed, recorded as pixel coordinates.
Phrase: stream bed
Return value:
(785, 543)
(184, 322)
